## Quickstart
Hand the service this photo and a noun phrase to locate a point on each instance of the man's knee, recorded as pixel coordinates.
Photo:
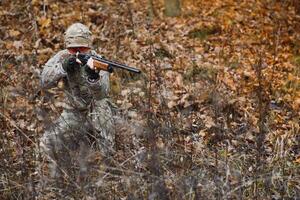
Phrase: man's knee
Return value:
(50, 142)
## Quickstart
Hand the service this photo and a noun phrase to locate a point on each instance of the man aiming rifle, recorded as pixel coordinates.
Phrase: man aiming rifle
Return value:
(87, 117)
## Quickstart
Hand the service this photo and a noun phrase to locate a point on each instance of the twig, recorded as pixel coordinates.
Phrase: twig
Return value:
(13, 123)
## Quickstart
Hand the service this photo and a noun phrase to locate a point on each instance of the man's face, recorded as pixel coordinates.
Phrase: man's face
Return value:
(74, 50)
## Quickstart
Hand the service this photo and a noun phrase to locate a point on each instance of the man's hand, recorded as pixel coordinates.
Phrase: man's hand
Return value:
(91, 73)
(70, 64)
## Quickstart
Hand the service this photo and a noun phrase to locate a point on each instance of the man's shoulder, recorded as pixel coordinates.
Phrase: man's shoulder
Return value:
(61, 53)
(59, 56)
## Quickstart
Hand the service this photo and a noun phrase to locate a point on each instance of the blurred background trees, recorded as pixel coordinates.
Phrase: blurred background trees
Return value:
(172, 8)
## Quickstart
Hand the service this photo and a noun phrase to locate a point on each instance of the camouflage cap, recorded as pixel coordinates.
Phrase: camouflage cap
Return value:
(78, 35)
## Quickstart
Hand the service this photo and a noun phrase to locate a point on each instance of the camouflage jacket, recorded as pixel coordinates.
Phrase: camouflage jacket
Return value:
(80, 90)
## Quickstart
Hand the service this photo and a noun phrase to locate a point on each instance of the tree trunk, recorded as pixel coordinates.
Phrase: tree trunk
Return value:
(151, 9)
(172, 8)
(297, 6)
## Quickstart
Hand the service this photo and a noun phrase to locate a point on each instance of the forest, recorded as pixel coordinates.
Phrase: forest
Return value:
(214, 113)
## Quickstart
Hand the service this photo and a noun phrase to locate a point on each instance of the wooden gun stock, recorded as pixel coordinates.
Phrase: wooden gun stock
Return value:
(98, 65)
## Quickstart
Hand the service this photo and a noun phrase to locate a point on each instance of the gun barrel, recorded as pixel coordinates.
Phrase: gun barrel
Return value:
(117, 65)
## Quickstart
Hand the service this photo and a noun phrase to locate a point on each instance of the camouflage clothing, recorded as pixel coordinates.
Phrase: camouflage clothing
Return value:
(87, 117)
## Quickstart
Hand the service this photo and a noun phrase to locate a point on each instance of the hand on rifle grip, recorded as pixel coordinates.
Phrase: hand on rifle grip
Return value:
(91, 73)
(70, 64)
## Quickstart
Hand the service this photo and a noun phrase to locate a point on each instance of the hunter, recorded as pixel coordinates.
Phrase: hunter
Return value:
(87, 117)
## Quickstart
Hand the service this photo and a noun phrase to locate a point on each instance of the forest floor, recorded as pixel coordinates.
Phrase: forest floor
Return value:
(215, 113)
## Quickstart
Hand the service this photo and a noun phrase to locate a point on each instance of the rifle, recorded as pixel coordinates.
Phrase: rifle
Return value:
(99, 63)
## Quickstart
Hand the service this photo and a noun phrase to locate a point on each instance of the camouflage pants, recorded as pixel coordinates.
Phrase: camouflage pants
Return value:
(78, 131)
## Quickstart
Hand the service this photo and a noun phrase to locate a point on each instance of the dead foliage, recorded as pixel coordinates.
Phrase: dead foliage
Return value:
(215, 113)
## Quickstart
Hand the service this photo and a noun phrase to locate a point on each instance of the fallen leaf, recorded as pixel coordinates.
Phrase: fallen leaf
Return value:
(14, 33)
(18, 44)
(44, 22)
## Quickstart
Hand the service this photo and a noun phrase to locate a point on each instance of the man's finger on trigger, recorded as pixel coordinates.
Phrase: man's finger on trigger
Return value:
(90, 63)
(78, 61)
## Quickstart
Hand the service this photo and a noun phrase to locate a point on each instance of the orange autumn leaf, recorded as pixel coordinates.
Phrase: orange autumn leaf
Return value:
(44, 22)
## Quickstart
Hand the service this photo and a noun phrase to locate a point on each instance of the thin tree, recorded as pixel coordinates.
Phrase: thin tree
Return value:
(172, 8)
